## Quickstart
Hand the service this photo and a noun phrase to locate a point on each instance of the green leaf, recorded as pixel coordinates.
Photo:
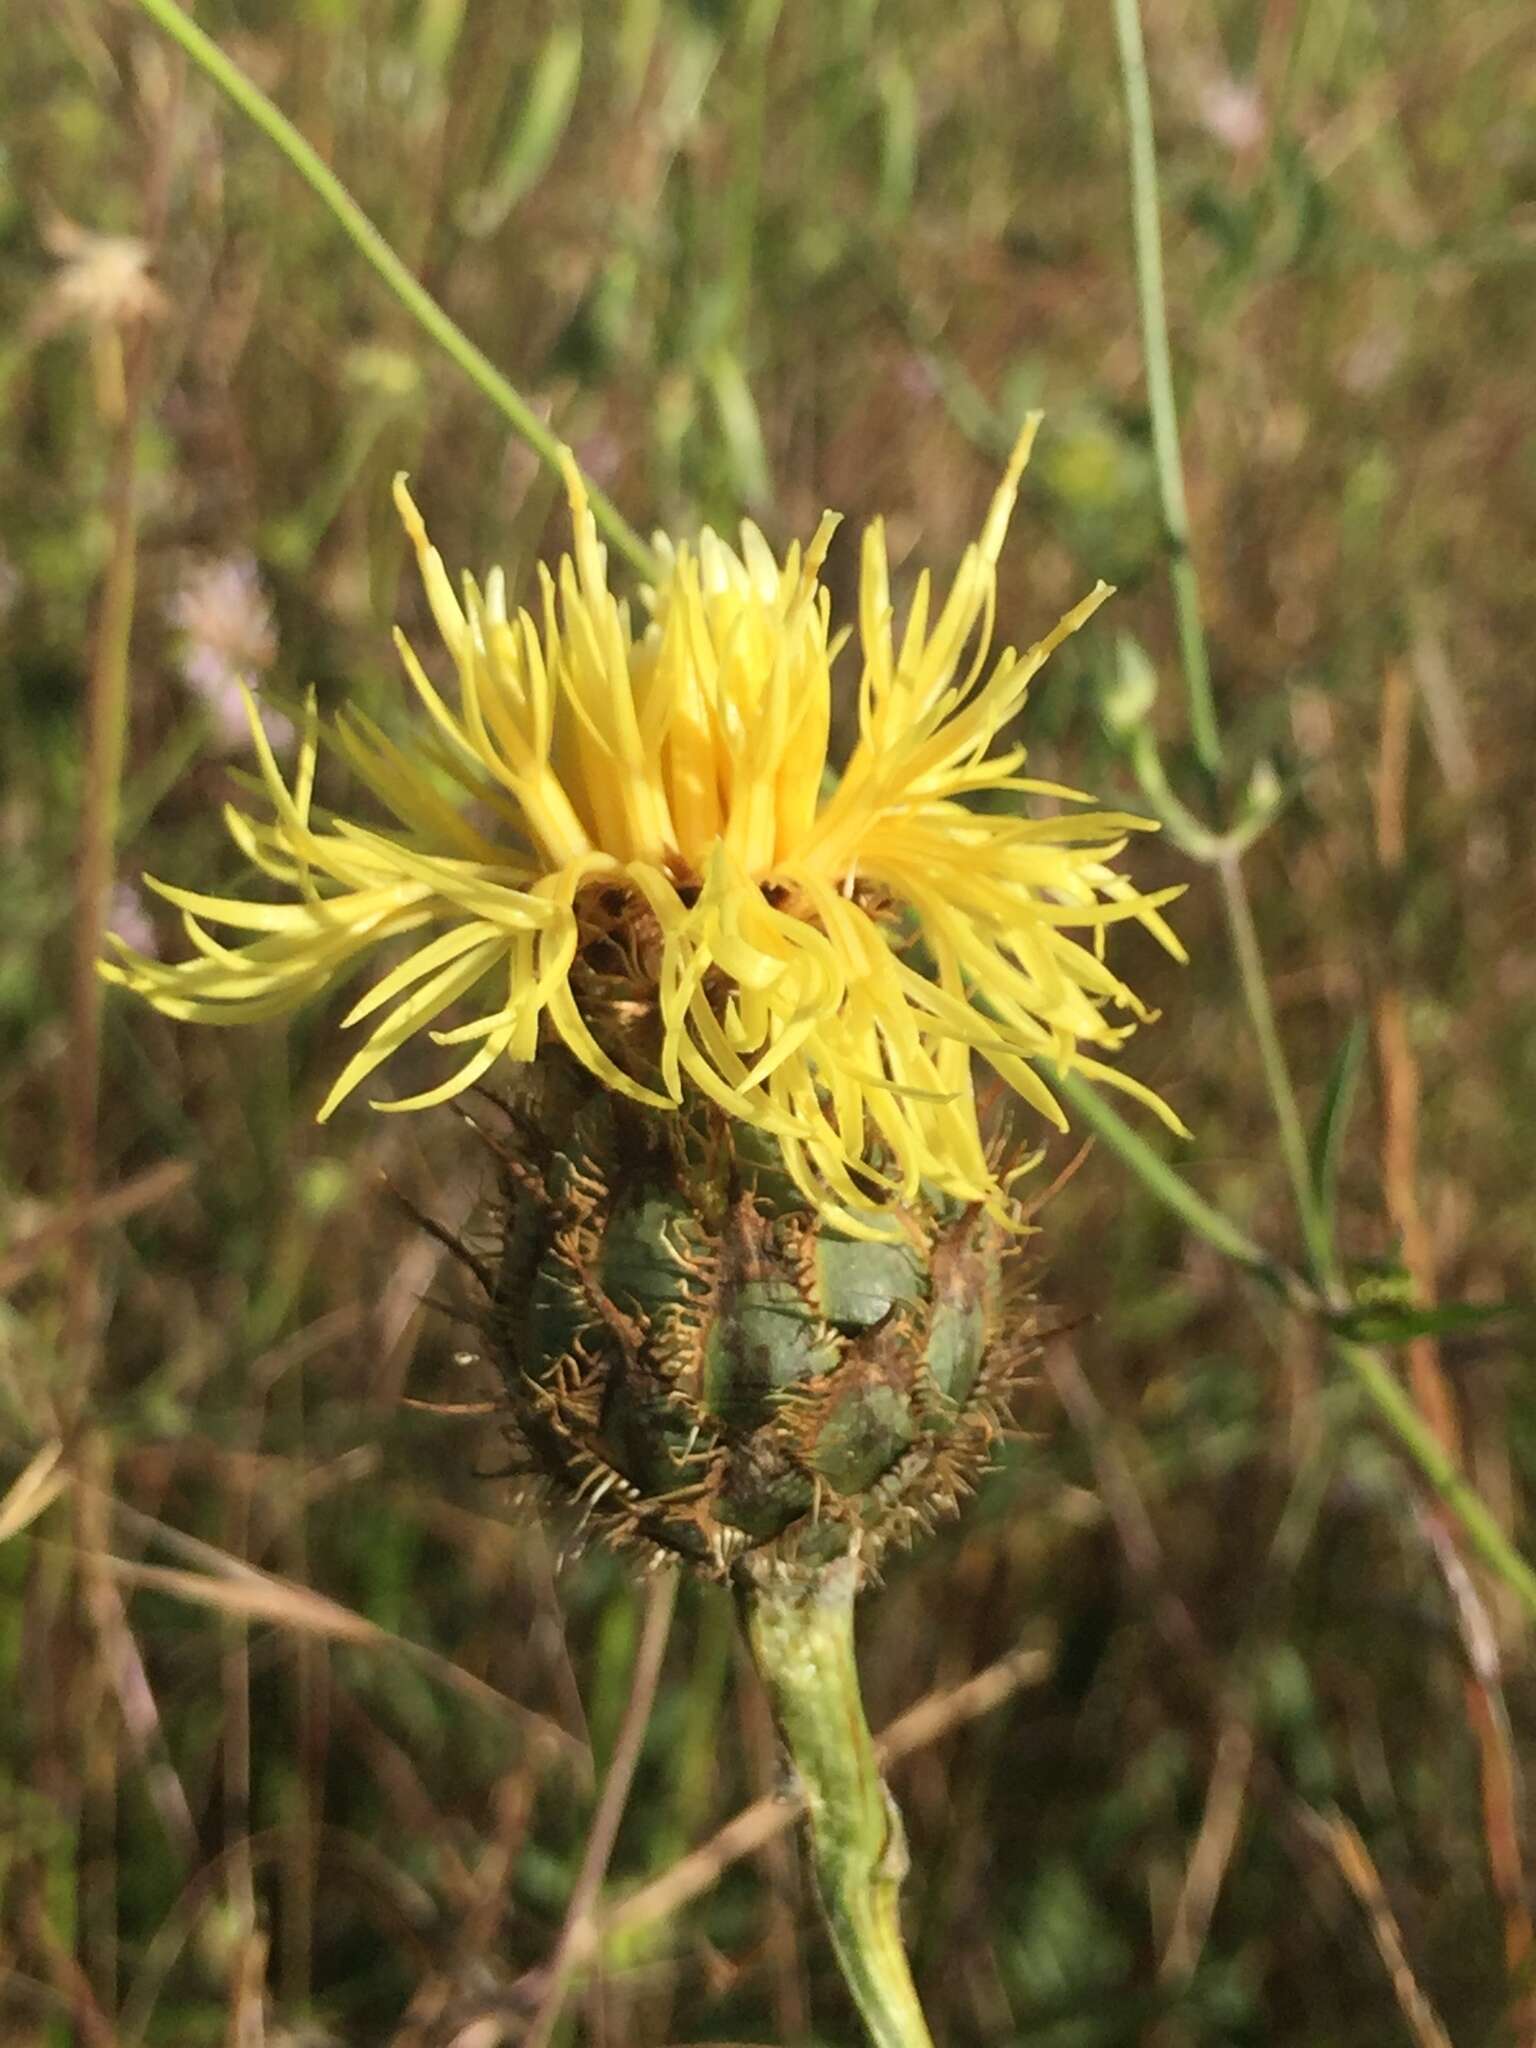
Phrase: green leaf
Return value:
(741, 428)
(536, 133)
(1385, 1323)
(1333, 1121)
(900, 126)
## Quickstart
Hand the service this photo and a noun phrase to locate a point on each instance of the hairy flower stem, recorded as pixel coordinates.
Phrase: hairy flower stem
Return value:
(801, 1632)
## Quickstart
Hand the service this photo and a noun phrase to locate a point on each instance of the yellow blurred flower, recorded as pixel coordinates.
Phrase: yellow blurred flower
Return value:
(620, 838)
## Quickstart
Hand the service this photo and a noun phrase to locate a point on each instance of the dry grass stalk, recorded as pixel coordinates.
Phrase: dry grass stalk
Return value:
(1337, 1834)
(1487, 1717)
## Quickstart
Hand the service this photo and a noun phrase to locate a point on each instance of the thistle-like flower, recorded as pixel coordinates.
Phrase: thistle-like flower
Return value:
(752, 1299)
(625, 840)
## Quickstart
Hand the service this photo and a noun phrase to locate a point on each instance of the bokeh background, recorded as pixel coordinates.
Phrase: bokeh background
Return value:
(1256, 1777)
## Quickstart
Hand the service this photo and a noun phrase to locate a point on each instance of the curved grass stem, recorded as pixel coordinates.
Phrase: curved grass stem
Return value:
(376, 251)
(1194, 657)
(1171, 1188)
(1322, 1260)
(1147, 236)
(801, 1635)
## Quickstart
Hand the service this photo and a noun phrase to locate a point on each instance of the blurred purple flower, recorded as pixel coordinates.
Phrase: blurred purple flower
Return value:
(1373, 359)
(128, 919)
(600, 456)
(916, 377)
(228, 638)
(1233, 112)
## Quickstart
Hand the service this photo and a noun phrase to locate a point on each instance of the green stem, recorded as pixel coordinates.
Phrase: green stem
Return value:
(1277, 1073)
(1176, 818)
(1153, 304)
(1174, 1192)
(1400, 1412)
(415, 298)
(1370, 1372)
(1147, 237)
(801, 1633)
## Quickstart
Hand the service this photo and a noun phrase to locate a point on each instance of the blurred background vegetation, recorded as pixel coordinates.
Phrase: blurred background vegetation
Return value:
(305, 1709)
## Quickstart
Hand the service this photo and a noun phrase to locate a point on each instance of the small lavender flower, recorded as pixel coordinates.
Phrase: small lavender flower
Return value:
(600, 456)
(128, 919)
(1233, 111)
(228, 638)
(1374, 358)
(917, 378)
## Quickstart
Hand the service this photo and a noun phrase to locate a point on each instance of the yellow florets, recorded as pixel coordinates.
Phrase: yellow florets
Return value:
(824, 967)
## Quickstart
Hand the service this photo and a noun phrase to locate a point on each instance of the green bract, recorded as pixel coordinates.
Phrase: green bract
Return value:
(707, 1367)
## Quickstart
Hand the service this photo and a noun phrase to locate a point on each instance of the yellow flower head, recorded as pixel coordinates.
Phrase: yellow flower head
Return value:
(622, 839)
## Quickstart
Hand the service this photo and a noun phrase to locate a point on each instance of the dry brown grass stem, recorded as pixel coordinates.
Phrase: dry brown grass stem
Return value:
(105, 745)
(1226, 1801)
(1401, 1092)
(241, 1592)
(1342, 1840)
(753, 1829)
(82, 1754)
(1199, 1677)
(650, 1653)
(263, 1597)
(35, 1488)
(69, 1981)
(105, 1210)
(1400, 1073)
